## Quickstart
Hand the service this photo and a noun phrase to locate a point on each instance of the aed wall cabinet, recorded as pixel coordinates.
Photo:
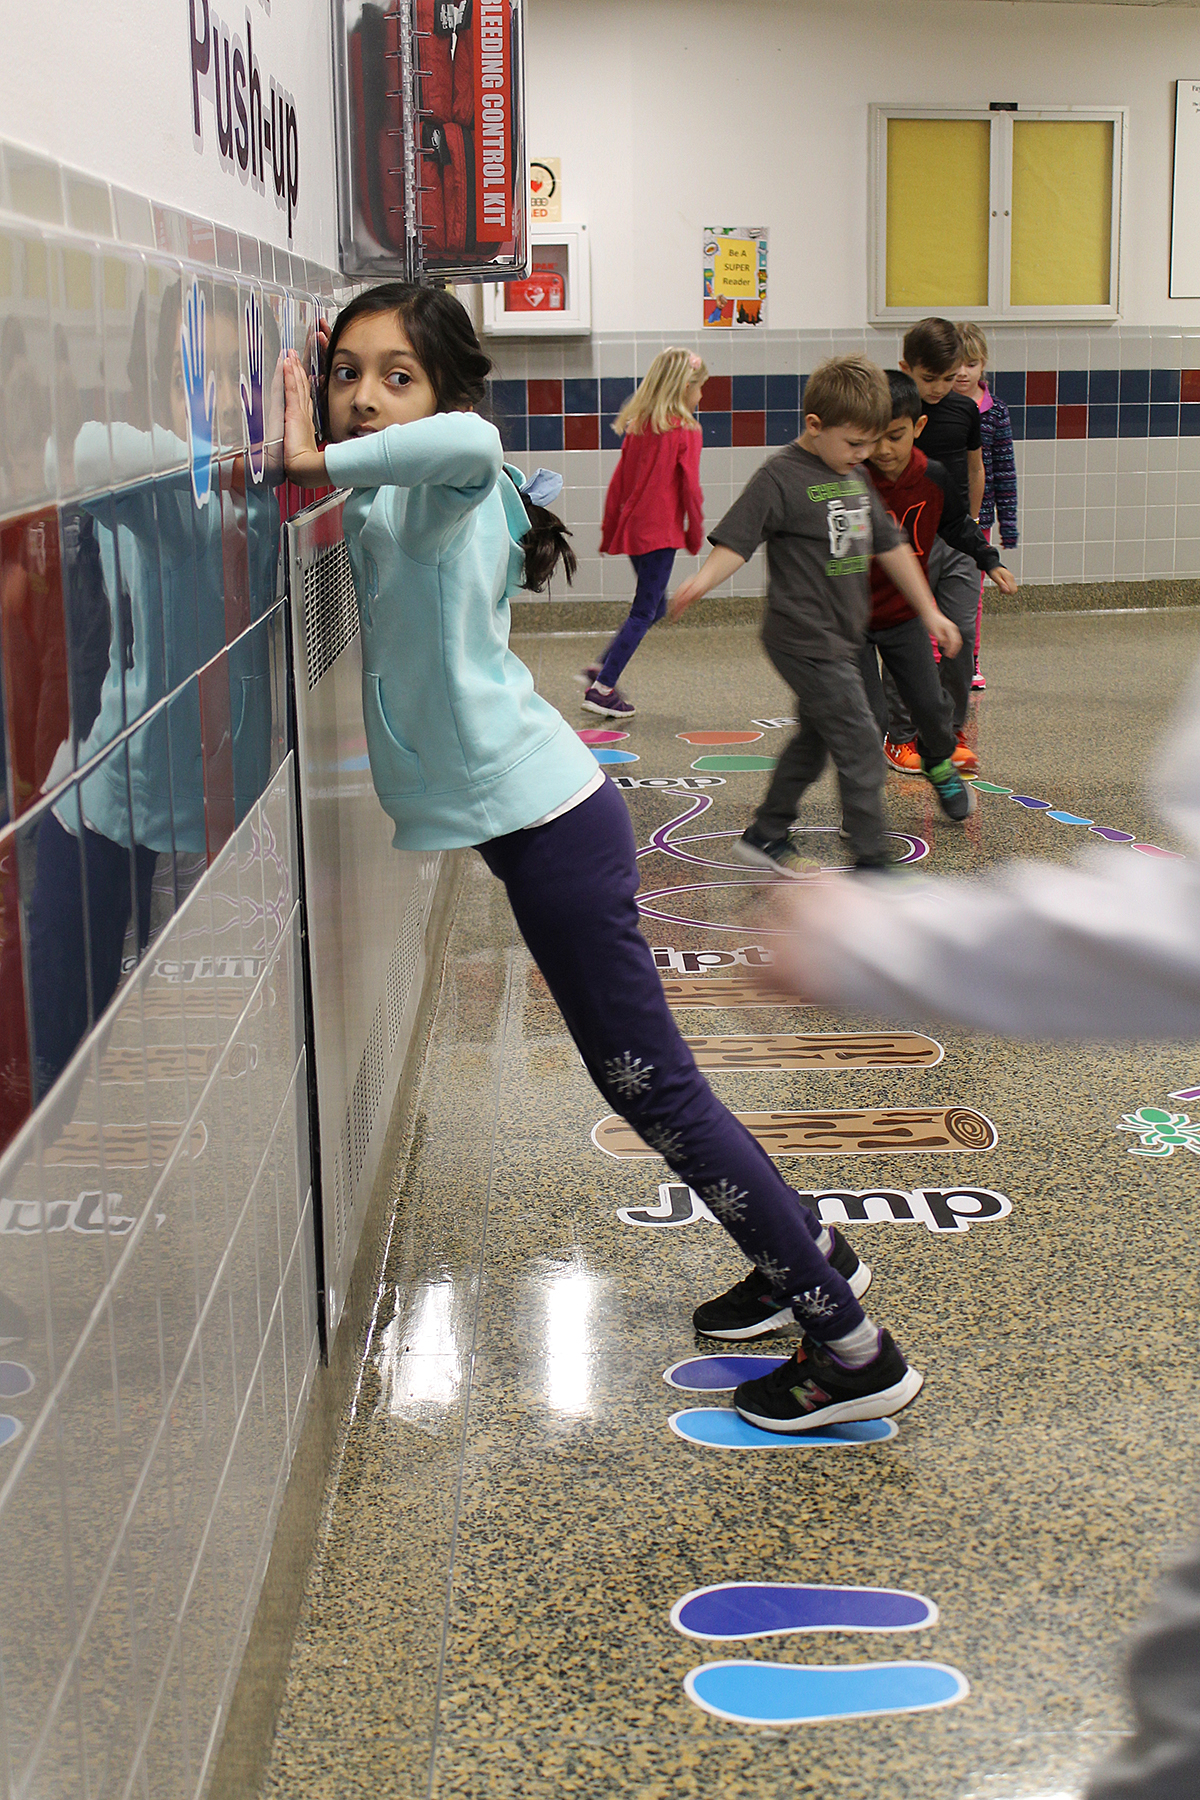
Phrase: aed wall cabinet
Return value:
(555, 298)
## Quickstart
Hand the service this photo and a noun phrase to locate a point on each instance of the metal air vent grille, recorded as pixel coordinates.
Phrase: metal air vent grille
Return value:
(330, 609)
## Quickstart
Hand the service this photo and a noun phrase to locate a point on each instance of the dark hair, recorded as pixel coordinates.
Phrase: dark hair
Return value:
(440, 331)
(906, 400)
(933, 345)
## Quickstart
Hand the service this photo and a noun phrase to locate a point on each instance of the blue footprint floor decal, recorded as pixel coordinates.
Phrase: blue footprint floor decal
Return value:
(716, 1374)
(754, 1609)
(16, 1379)
(10, 1428)
(720, 1428)
(754, 1693)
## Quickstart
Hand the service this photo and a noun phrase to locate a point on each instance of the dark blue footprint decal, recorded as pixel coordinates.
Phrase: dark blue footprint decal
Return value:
(716, 1374)
(720, 1428)
(16, 1379)
(751, 1693)
(754, 1609)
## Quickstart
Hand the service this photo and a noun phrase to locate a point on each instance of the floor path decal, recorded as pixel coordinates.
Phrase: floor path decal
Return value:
(594, 734)
(819, 1050)
(752, 1693)
(862, 1131)
(603, 754)
(698, 739)
(725, 991)
(755, 1609)
(720, 1428)
(718, 1374)
(10, 1428)
(1032, 804)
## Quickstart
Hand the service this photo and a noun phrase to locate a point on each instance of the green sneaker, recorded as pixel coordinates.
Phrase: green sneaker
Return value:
(956, 799)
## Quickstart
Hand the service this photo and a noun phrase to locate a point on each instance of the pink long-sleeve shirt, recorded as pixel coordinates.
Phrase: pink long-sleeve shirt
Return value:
(654, 499)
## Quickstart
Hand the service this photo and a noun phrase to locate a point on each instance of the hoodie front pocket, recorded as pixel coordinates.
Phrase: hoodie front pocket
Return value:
(395, 769)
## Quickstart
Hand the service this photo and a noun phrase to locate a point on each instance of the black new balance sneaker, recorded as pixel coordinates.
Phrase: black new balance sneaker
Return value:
(777, 854)
(751, 1310)
(813, 1389)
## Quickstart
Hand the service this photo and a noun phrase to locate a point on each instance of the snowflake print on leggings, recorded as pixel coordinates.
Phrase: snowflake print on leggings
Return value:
(627, 1075)
(725, 1201)
(814, 1303)
(774, 1274)
(668, 1143)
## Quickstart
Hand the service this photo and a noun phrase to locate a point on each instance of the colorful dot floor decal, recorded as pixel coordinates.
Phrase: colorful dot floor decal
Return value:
(10, 1428)
(734, 764)
(1109, 833)
(720, 1428)
(603, 754)
(594, 734)
(753, 1693)
(15, 1379)
(699, 738)
(756, 1609)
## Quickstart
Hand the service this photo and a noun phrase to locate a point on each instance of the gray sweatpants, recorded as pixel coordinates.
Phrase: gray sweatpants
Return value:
(955, 583)
(835, 721)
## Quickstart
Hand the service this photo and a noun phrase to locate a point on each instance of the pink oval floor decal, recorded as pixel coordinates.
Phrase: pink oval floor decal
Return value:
(719, 737)
(594, 735)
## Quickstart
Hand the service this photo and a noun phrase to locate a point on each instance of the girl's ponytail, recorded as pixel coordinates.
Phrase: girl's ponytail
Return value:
(545, 545)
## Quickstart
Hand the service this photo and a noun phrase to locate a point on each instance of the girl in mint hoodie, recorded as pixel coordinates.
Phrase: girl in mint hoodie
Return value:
(464, 752)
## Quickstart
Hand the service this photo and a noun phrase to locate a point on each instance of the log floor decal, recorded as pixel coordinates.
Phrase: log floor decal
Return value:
(819, 1050)
(725, 990)
(865, 1132)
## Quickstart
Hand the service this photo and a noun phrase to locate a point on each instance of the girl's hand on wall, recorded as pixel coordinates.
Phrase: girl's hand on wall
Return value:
(305, 464)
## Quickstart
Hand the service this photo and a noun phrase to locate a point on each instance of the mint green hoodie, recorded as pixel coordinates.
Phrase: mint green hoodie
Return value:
(462, 749)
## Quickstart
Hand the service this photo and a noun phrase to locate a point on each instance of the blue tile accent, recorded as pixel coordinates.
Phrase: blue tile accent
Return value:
(783, 425)
(581, 395)
(1041, 421)
(1135, 386)
(615, 391)
(717, 428)
(546, 431)
(1164, 419)
(783, 392)
(514, 433)
(1103, 388)
(1134, 421)
(508, 397)
(749, 393)
(1189, 419)
(1009, 385)
(608, 437)
(1164, 384)
(1102, 421)
(803, 385)
(1016, 418)
(1072, 387)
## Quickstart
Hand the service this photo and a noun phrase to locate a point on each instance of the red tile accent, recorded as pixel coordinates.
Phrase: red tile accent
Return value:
(581, 431)
(1189, 385)
(1041, 387)
(1072, 422)
(545, 396)
(749, 428)
(717, 395)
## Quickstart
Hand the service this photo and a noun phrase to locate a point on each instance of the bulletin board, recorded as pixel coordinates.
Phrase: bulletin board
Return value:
(1185, 187)
(735, 277)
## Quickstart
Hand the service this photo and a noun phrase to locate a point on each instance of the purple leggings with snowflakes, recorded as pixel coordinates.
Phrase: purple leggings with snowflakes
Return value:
(571, 884)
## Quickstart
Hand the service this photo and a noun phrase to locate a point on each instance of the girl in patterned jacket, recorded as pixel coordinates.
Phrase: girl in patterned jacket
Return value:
(999, 464)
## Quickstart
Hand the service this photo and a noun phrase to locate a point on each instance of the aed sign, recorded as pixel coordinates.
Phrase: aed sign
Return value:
(494, 122)
(254, 121)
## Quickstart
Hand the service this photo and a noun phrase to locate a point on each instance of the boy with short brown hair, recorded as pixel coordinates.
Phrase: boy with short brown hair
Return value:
(822, 522)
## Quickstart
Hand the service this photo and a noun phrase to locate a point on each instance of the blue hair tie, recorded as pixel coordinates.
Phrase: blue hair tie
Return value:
(541, 487)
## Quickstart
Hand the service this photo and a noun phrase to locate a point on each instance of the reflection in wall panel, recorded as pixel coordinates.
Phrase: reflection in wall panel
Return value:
(368, 905)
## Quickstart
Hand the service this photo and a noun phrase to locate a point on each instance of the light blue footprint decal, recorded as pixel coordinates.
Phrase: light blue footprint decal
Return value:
(16, 1379)
(10, 1428)
(720, 1428)
(754, 1693)
(717, 1374)
(754, 1609)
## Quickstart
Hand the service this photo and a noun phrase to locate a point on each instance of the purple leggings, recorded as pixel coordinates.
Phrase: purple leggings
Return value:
(653, 571)
(571, 885)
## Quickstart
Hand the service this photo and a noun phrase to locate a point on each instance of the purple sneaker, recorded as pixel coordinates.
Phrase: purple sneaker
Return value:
(589, 676)
(610, 706)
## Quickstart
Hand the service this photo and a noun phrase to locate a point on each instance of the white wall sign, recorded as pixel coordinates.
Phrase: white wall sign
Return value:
(254, 129)
(1185, 194)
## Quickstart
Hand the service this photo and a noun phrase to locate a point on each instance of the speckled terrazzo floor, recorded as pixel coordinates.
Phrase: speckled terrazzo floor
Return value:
(512, 1519)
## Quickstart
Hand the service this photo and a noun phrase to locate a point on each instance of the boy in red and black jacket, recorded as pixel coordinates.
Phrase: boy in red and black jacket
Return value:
(926, 503)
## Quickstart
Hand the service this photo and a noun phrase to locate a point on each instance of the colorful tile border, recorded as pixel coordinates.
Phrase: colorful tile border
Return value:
(751, 410)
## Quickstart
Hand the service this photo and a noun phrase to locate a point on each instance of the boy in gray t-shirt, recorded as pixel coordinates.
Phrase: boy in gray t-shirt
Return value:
(822, 521)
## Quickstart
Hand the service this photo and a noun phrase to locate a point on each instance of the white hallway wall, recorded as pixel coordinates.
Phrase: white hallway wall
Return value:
(685, 113)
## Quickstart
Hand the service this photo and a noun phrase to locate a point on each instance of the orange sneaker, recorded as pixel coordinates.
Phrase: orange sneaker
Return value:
(964, 758)
(903, 757)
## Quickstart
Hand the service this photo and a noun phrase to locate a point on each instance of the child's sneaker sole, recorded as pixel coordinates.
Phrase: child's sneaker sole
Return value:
(762, 859)
(741, 1334)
